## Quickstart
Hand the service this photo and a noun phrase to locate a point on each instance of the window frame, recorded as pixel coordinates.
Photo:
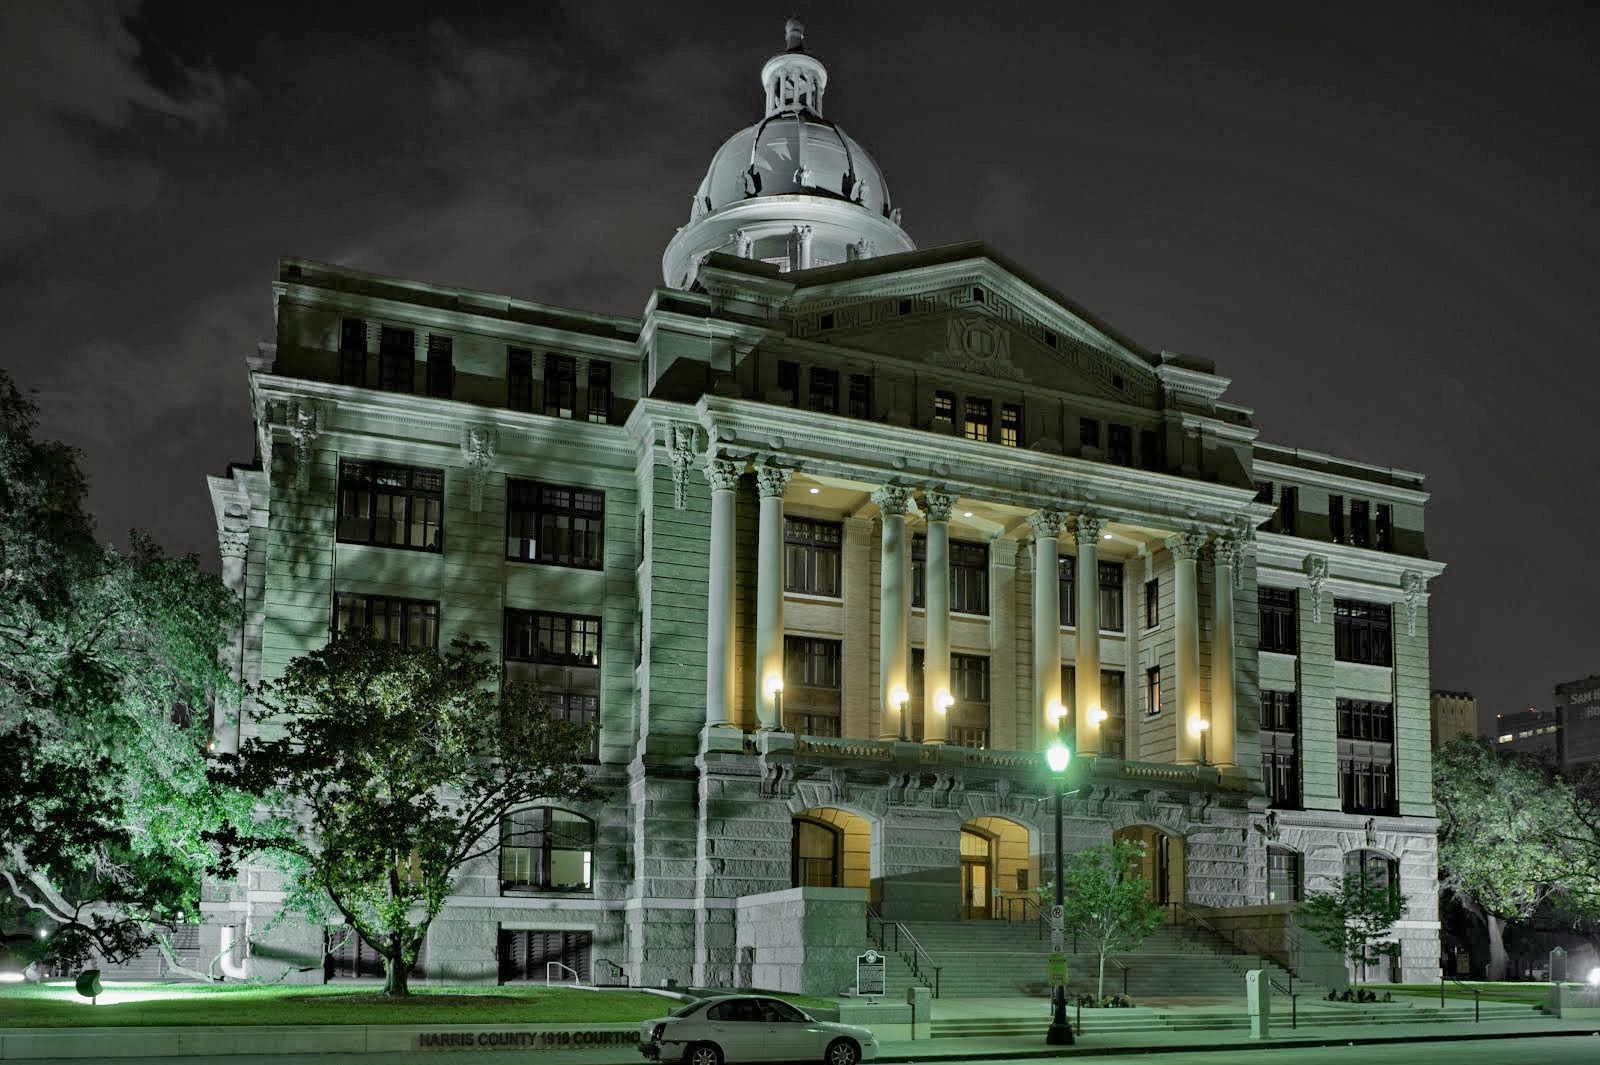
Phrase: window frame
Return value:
(560, 382)
(1119, 444)
(805, 549)
(1113, 596)
(1089, 432)
(1152, 604)
(835, 862)
(1152, 691)
(1067, 590)
(1288, 509)
(542, 507)
(789, 380)
(1338, 530)
(1010, 425)
(353, 352)
(944, 405)
(1278, 612)
(813, 685)
(367, 475)
(397, 359)
(1293, 864)
(519, 379)
(977, 419)
(1383, 538)
(429, 610)
(1281, 771)
(859, 398)
(441, 367)
(599, 394)
(541, 864)
(1363, 632)
(823, 394)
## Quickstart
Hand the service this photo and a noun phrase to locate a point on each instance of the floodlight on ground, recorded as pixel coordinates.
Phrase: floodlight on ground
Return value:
(1594, 977)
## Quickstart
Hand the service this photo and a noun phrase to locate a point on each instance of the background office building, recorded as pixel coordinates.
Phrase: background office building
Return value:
(829, 543)
(1452, 714)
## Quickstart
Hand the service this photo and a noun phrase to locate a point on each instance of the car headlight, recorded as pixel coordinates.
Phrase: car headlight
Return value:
(655, 1036)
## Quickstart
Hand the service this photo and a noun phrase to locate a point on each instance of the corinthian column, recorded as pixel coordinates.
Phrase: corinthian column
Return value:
(1224, 699)
(1046, 525)
(936, 695)
(771, 482)
(893, 610)
(1185, 548)
(1089, 716)
(724, 478)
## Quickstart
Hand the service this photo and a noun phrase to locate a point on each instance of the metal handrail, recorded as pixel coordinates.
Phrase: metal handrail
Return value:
(555, 966)
(1477, 996)
(918, 955)
(1038, 912)
(1124, 969)
(1294, 1000)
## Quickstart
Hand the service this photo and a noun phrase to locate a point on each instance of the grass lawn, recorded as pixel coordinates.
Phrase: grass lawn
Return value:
(57, 1005)
(1508, 991)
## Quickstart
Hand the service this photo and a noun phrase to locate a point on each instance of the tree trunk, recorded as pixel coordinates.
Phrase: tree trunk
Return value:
(1498, 962)
(396, 973)
(1100, 987)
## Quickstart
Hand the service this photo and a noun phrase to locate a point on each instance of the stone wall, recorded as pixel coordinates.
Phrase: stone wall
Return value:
(801, 940)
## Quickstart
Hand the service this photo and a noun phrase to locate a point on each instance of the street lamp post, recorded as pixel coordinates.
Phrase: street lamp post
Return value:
(1060, 1034)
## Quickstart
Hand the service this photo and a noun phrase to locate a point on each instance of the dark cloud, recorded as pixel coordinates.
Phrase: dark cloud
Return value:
(1377, 221)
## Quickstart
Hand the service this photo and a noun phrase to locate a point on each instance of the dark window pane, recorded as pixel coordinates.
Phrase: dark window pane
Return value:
(555, 524)
(397, 359)
(860, 396)
(599, 399)
(353, 353)
(393, 506)
(1088, 432)
(519, 379)
(1066, 567)
(811, 556)
(1111, 596)
(1361, 632)
(560, 385)
(1119, 445)
(1279, 624)
(824, 396)
(406, 622)
(441, 366)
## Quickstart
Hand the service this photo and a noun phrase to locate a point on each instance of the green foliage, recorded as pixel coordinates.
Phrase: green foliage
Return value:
(1355, 919)
(106, 660)
(394, 768)
(1106, 902)
(1359, 994)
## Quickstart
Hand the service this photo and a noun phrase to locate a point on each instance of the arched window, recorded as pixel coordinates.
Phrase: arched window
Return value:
(1376, 869)
(1284, 875)
(815, 854)
(544, 848)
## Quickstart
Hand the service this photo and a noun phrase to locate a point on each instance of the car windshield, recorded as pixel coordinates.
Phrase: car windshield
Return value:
(687, 1009)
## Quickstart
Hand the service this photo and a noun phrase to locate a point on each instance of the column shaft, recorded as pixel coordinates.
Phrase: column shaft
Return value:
(1086, 667)
(724, 477)
(771, 482)
(893, 611)
(1186, 631)
(937, 698)
(1046, 525)
(1224, 696)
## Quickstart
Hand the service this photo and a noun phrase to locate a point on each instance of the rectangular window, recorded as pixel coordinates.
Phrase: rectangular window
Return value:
(1264, 492)
(860, 396)
(441, 366)
(406, 622)
(944, 406)
(969, 717)
(1283, 875)
(599, 398)
(546, 638)
(789, 381)
(1336, 531)
(560, 385)
(1111, 596)
(1066, 589)
(811, 690)
(556, 524)
(1280, 748)
(1361, 632)
(1385, 527)
(824, 398)
(969, 575)
(353, 353)
(1360, 523)
(545, 848)
(811, 556)
(1149, 449)
(397, 359)
(346, 956)
(1011, 424)
(1119, 445)
(1279, 625)
(1288, 509)
(1112, 700)
(1152, 603)
(582, 710)
(391, 506)
(977, 419)
(1366, 785)
(1363, 719)
(1088, 432)
(519, 379)
(526, 954)
(1152, 691)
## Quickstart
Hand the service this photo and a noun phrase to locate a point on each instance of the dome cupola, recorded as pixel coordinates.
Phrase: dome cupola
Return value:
(794, 189)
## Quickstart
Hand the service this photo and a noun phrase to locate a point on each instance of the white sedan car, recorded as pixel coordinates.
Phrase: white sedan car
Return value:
(741, 1028)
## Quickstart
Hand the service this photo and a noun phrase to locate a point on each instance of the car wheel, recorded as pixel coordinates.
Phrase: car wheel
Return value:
(842, 1052)
(703, 1054)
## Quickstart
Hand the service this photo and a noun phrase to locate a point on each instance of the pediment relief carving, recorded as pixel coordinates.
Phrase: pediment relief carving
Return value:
(976, 344)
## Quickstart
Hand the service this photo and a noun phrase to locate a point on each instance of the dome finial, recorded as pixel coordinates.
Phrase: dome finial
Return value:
(794, 35)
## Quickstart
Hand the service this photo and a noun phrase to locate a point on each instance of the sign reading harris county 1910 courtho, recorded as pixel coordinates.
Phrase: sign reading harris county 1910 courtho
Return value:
(870, 976)
(503, 1040)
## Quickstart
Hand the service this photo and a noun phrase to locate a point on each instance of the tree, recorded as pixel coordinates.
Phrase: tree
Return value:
(395, 767)
(1106, 901)
(1355, 918)
(1515, 838)
(108, 662)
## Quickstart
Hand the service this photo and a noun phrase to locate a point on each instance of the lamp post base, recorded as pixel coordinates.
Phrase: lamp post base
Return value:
(1060, 1033)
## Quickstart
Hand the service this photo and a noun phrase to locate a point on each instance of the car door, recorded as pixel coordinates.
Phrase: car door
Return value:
(736, 1025)
(790, 1034)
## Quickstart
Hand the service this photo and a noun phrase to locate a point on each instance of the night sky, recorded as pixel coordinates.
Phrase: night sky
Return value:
(1380, 223)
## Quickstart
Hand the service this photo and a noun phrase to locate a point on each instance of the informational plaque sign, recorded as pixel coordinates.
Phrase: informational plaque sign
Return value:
(869, 973)
(1058, 970)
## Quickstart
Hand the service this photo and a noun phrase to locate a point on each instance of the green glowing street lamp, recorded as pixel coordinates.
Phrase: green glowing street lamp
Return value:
(1058, 757)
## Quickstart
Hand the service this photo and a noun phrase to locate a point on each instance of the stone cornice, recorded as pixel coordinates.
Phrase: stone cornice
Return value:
(1183, 381)
(1267, 470)
(1280, 561)
(1226, 430)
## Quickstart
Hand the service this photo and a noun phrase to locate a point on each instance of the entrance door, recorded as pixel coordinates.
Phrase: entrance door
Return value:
(976, 866)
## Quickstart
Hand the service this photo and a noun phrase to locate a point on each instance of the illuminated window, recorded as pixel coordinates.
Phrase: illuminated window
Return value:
(944, 406)
(391, 506)
(405, 622)
(544, 848)
(1011, 424)
(815, 854)
(977, 419)
(555, 524)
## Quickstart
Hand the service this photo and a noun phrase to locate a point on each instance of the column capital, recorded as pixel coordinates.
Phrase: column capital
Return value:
(233, 543)
(772, 480)
(938, 506)
(1047, 523)
(1186, 546)
(1088, 526)
(892, 499)
(723, 474)
(1229, 550)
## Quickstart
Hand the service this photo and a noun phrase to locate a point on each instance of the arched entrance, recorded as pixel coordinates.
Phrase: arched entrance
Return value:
(1162, 863)
(829, 847)
(999, 863)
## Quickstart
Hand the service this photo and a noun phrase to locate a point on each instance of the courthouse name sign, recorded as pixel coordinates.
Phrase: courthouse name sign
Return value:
(580, 1039)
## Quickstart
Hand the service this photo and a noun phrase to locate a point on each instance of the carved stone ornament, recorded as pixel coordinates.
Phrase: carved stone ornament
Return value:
(477, 450)
(1186, 546)
(304, 421)
(1316, 567)
(772, 480)
(724, 475)
(1413, 584)
(743, 244)
(681, 454)
(938, 506)
(892, 499)
(978, 344)
(233, 543)
(1087, 527)
(1047, 523)
(1230, 552)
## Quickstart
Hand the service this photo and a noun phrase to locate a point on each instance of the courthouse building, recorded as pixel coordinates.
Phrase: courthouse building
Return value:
(828, 543)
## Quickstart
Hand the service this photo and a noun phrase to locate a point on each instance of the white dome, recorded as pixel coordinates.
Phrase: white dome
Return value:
(794, 189)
